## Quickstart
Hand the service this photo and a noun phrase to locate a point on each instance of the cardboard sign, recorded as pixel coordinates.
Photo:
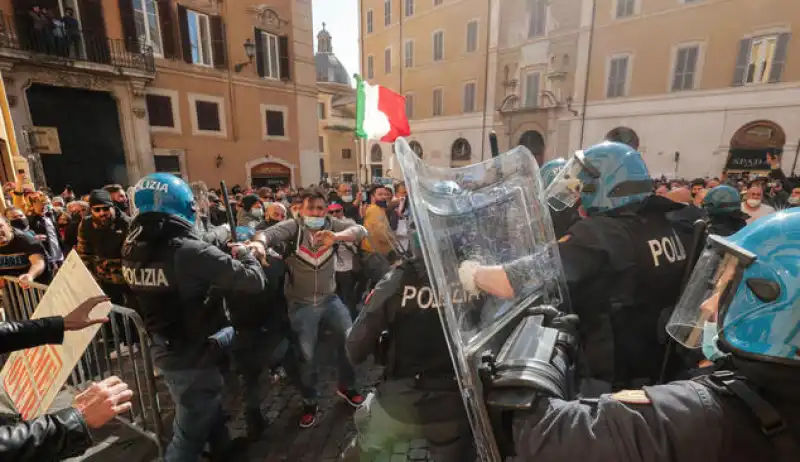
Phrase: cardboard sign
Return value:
(32, 378)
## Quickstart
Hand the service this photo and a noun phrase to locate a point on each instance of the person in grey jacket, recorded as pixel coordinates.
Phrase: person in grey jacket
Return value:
(310, 241)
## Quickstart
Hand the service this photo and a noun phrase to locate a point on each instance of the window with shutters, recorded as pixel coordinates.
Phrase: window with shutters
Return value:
(199, 28)
(387, 13)
(617, 84)
(438, 102)
(369, 21)
(148, 28)
(472, 36)
(348, 178)
(537, 18)
(761, 59)
(409, 105)
(437, 2)
(685, 69)
(269, 53)
(370, 67)
(409, 8)
(387, 61)
(625, 8)
(532, 89)
(409, 54)
(160, 111)
(321, 111)
(347, 153)
(469, 97)
(274, 122)
(208, 114)
(321, 141)
(438, 45)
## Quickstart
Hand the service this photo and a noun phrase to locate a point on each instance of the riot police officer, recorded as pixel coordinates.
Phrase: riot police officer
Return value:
(562, 219)
(623, 267)
(743, 299)
(724, 207)
(171, 270)
(419, 396)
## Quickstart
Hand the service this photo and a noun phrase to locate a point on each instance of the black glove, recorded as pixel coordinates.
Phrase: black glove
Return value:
(566, 324)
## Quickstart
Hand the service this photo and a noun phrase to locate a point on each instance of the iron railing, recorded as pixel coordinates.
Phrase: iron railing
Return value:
(62, 44)
(105, 356)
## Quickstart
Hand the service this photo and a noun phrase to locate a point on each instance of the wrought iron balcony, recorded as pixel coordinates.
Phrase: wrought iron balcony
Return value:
(62, 45)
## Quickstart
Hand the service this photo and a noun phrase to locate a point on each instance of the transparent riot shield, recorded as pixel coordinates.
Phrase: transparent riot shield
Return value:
(493, 213)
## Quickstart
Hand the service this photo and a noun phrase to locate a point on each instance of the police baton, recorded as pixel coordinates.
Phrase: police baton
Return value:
(228, 211)
(493, 144)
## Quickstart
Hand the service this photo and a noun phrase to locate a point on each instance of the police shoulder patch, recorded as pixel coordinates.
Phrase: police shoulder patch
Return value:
(565, 238)
(631, 397)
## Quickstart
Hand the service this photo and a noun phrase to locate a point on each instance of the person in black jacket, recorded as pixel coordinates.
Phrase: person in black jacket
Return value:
(420, 396)
(65, 433)
(171, 272)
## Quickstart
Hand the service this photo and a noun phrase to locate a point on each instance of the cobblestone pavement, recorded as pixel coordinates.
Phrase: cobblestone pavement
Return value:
(284, 440)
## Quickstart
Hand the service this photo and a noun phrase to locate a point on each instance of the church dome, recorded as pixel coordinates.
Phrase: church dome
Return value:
(329, 68)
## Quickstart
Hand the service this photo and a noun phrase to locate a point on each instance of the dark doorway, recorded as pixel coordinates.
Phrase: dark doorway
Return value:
(92, 153)
(534, 141)
(270, 182)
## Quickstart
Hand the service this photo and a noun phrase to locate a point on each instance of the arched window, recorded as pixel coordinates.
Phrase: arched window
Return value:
(624, 135)
(416, 147)
(461, 151)
(534, 141)
(376, 154)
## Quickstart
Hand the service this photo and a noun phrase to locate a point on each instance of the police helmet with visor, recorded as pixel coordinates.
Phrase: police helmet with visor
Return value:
(550, 170)
(605, 177)
(722, 200)
(748, 287)
(167, 194)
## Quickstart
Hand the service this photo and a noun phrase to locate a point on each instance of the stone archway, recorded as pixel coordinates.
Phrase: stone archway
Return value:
(270, 171)
(460, 152)
(624, 135)
(534, 141)
(751, 143)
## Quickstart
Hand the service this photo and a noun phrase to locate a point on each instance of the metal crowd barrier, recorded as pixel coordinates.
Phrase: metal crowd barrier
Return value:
(105, 356)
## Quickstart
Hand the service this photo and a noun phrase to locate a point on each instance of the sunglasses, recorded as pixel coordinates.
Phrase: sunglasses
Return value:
(104, 208)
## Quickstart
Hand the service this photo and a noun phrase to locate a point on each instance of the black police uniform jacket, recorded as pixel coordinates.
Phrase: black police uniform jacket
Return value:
(171, 271)
(55, 436)
(687, 421)
(622, 269)
(727, 224)
(402, 303)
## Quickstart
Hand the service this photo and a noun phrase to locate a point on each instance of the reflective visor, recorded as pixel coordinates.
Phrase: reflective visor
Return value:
(714, 281)
(565, 190)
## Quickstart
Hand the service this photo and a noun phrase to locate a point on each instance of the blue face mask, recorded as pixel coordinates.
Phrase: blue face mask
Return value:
(314, 222)
(381, 204)
(710, 350)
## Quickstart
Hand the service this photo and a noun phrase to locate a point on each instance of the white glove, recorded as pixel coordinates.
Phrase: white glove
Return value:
(466, 274)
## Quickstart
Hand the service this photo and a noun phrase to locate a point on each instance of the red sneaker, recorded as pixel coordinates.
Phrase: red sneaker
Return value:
(353, 397)
(309, 417)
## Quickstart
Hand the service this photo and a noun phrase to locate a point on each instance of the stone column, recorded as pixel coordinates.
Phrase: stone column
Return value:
(135, 129)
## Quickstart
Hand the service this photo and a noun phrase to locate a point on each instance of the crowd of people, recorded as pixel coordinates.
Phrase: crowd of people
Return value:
(259, 279)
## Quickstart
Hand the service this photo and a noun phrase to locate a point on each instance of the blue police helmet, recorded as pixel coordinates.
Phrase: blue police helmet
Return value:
(722, 199)
(245, 233)
(165, 193)
(762, 319)
(550, 169)
(614, 175)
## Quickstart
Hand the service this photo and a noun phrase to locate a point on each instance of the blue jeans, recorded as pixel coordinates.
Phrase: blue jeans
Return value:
(305, 319)
(196, 386)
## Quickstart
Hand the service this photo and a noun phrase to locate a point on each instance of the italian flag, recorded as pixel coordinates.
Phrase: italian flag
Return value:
(380, 113)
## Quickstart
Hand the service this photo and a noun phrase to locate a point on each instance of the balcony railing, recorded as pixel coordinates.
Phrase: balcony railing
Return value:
(75, 45)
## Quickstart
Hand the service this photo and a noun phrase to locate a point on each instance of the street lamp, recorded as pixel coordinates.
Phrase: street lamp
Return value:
(250, 51)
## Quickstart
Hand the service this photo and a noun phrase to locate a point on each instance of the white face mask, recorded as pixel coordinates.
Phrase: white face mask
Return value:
(794, 200)
(753, 203)
(257, 212)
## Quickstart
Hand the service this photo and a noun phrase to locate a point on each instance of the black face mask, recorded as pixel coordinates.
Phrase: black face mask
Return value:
(76, 216)
(20, 223)
(122, 205)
